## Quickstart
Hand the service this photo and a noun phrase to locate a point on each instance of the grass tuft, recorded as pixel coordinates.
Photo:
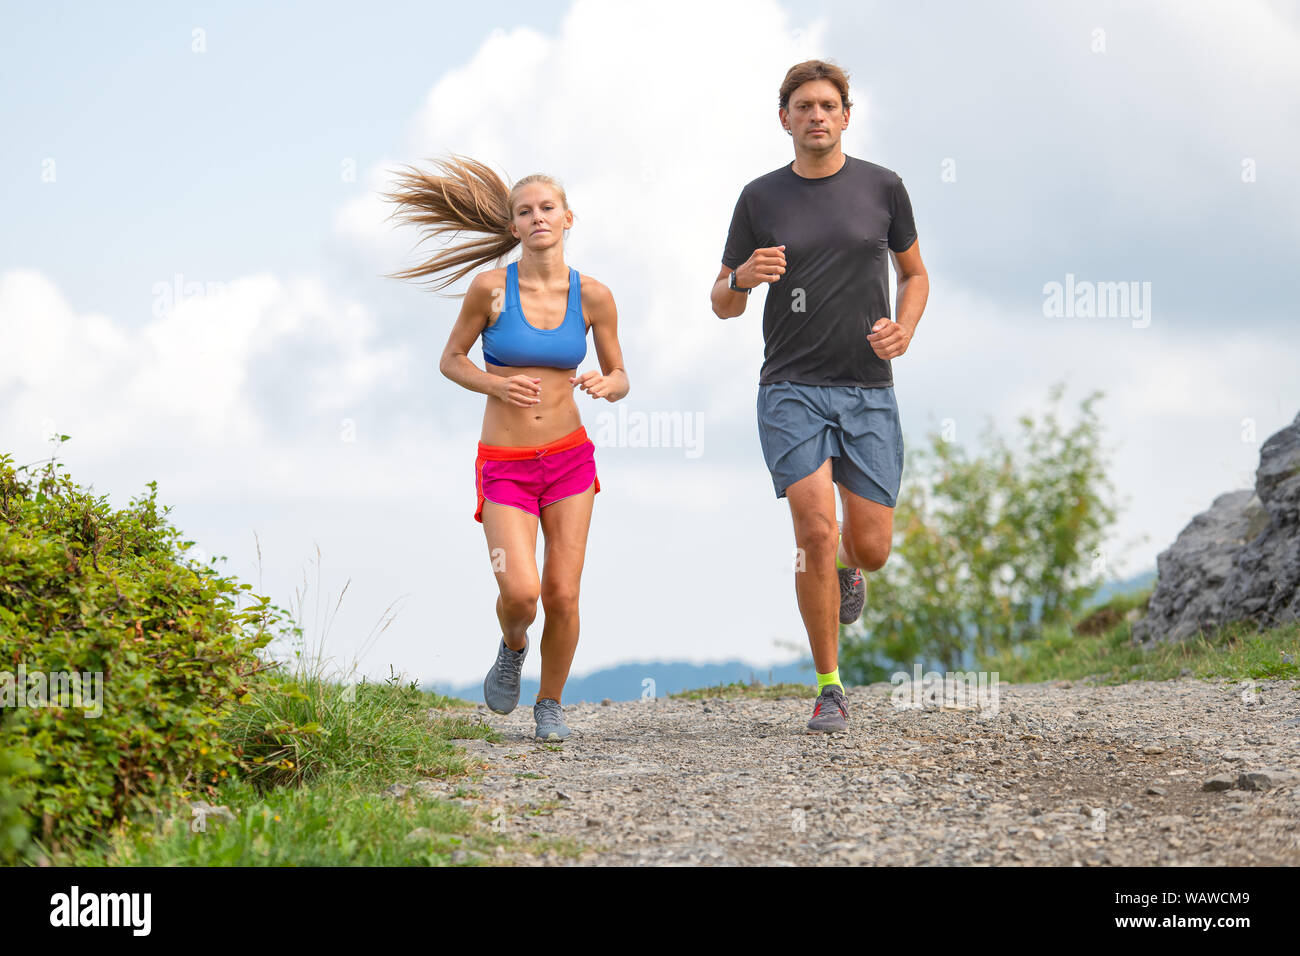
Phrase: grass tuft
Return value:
(1239, 651)
(754, 690)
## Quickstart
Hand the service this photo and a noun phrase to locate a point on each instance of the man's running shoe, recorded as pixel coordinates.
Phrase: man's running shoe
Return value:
(831, 715)
(853, 594)
(501, 686)
(550, 720)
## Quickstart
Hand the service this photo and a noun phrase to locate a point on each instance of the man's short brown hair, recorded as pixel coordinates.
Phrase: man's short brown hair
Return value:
(801, 73)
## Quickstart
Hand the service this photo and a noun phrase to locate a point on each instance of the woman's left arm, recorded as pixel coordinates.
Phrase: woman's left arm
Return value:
(611, 381)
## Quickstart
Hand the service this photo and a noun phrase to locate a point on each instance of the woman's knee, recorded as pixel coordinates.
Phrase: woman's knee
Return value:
(559, 600)
(519, 599)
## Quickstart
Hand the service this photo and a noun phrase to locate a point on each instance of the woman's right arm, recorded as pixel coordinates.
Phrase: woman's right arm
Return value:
(456, 364)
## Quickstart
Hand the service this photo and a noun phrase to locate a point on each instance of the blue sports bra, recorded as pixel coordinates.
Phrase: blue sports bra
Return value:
(514, 341)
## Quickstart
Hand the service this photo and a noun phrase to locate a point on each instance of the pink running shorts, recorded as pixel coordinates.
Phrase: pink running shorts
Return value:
(532, 478)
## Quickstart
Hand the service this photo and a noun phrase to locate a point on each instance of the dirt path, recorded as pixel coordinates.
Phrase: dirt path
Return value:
(1062, 774)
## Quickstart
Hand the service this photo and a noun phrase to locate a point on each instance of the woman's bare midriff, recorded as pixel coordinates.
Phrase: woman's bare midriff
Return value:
(556, 415)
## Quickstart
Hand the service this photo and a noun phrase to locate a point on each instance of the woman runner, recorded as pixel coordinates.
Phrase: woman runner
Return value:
(535, 464)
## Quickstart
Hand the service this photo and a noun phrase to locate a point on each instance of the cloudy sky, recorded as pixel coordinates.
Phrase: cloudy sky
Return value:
(191, 259)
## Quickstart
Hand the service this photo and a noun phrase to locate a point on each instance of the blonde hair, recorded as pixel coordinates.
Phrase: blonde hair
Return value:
(467, 196)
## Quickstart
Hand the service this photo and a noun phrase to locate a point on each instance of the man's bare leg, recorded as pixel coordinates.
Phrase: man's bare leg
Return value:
(812, 508)
(867, 532)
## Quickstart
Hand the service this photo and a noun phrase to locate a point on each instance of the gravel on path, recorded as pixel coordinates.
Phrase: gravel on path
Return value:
(1184, 772)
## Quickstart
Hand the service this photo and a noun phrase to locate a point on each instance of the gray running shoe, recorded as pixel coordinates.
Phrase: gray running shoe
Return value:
(853, 594)
(550, 720)
(831, 715)
(501, 686)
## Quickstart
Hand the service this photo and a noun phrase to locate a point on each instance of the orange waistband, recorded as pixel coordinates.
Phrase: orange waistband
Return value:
(522, 452)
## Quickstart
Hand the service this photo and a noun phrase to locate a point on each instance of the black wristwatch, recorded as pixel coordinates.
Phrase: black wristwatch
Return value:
(731, 284)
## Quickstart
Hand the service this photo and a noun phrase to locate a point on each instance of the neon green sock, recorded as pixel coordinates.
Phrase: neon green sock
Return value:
(832, 678)
(838, 563)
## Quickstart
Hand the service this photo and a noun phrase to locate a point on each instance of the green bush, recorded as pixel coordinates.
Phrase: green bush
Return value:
(15, 774)
(88, 589)
(988, 550)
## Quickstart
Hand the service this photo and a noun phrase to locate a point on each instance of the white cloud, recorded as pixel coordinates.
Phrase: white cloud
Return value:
(653, 127)
(188, 376)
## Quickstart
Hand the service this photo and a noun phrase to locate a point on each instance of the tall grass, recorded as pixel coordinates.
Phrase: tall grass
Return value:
(308, 717)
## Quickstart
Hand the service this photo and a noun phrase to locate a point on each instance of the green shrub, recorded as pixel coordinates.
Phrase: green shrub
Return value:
(989, 550)
(88, 589)
(15, 775)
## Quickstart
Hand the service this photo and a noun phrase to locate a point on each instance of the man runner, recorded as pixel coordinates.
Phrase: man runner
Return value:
(817, 232)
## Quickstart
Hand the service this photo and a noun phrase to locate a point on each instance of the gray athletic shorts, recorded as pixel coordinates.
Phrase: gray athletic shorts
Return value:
(800, 426)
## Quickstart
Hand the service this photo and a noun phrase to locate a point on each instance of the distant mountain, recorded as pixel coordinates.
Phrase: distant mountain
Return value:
(1112, 588)
(652, 679)
(629, 681)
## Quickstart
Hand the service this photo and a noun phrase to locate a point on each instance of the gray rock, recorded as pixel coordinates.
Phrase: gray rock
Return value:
(1269, 779)
(428, 789)
(1239, 756)
(1191, 573)
(1222, 781)
(1240, 560)
(475, 745)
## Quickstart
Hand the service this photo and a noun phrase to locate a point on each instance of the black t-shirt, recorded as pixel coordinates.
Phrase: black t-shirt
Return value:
(836, 285)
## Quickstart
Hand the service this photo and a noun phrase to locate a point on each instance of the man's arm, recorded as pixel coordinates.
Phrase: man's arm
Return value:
(764, 265)
(726, 303)
(913, 286)
(754, 266)
(893, 338)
